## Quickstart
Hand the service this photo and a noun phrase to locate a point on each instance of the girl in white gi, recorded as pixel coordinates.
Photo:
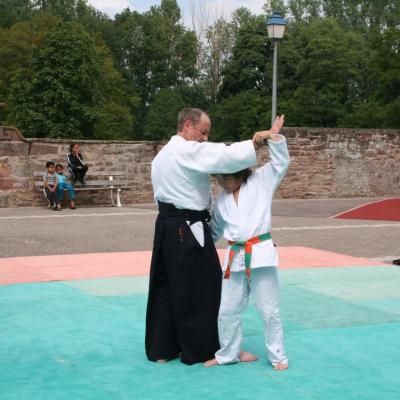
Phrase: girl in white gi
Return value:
(242, 214)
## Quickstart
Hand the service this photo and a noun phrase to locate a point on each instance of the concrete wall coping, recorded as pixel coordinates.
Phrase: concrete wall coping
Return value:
(92, 141)
(317, 131)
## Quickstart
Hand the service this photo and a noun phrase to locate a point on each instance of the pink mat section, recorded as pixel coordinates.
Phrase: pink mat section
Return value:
(107, 265)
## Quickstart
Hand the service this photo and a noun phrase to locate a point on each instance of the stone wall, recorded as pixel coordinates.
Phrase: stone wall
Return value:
(325, 163)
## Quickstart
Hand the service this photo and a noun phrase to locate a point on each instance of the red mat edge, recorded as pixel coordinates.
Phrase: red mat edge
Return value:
(340, 215)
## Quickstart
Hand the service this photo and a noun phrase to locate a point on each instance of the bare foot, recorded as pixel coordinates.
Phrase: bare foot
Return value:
(281, 366)
(245, 356)
(211, 363)
(162, 361)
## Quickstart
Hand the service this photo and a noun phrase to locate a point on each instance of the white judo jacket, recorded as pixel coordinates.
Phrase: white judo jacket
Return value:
(180, 171)
(252, 215)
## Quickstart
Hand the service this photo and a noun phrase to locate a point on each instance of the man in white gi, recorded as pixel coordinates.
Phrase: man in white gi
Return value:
(185, 275)
(242, 214)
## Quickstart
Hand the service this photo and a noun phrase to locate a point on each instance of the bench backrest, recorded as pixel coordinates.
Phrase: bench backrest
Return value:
(94, 179)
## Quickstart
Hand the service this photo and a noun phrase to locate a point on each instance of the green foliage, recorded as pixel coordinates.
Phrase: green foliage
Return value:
(56, 96)
(160, 122)
(246, 68)
(275, 5)
(16, 46)
(381, 104)
(13, 11)
(328, 74)
(304, 10)
(215, 52)
(67, 70)
(153, 50)
(70, 89)
(116, 105)
(238, 116)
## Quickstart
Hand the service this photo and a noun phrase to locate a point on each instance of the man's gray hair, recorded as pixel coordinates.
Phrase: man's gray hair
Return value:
(188, 114)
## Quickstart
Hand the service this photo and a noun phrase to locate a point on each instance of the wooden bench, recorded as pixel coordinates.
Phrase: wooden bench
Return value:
(95, 180)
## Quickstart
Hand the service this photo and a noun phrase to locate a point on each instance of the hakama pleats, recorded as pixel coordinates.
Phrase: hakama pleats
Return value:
(184, 290)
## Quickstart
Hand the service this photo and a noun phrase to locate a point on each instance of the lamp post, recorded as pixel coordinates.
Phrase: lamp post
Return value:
(276, 28)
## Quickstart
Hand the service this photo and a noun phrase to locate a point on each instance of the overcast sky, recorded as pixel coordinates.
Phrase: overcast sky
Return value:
(216, 7)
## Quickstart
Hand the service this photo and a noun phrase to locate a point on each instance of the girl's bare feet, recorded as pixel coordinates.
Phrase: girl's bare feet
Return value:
(281, 366)
(245, 356)
(211, 363)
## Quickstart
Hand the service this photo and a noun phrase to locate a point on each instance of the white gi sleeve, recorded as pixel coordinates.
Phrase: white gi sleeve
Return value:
(217, 223)
(214, 158)
(273, 172)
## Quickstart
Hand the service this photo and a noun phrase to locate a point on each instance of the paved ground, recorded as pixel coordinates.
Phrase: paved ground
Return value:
(39, 231)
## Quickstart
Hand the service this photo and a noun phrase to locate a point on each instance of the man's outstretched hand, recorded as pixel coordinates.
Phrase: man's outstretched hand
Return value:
(272, 134)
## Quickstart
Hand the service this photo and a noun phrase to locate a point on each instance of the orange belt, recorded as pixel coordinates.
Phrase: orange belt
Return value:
(248, 247)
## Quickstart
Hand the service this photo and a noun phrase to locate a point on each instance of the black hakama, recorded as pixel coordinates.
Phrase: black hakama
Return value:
(184, 290)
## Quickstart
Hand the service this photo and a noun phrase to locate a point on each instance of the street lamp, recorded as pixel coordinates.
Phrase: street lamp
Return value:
(276, 28)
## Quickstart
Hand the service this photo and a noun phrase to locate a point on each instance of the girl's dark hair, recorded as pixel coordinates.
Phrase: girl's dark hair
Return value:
(243, 174)
(49, 163)
(71, 146)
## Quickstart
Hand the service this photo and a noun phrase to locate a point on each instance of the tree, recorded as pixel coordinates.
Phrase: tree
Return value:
(116, 105)
(13, 11)
(238, 116)
(214, 55)
(246, 68)
(275, 5)
(380, 104)
(160, 122)
(16, 46)
(304, 10)
(373, 15)
(328, 76)
(68, 10)
(68, 90)
(153, 50)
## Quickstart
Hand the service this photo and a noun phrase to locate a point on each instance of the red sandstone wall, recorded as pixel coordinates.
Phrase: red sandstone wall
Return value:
(325, 163)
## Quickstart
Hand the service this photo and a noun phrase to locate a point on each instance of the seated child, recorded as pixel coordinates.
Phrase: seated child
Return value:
(50, 185)
(63, 184)
(242, 214)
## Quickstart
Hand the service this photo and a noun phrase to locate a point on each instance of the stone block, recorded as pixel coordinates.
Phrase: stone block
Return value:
(39, 148)
(4, 200)
(145, 154)
(5, 171)
(365, 137)
(6, 183)
(22, 184)
(13, 148)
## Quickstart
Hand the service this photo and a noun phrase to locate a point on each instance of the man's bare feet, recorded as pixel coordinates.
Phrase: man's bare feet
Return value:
(281, 366)
(245, 356)
(162, 361)
(211, 363)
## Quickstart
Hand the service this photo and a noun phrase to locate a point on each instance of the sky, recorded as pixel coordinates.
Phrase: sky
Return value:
(215, 7)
